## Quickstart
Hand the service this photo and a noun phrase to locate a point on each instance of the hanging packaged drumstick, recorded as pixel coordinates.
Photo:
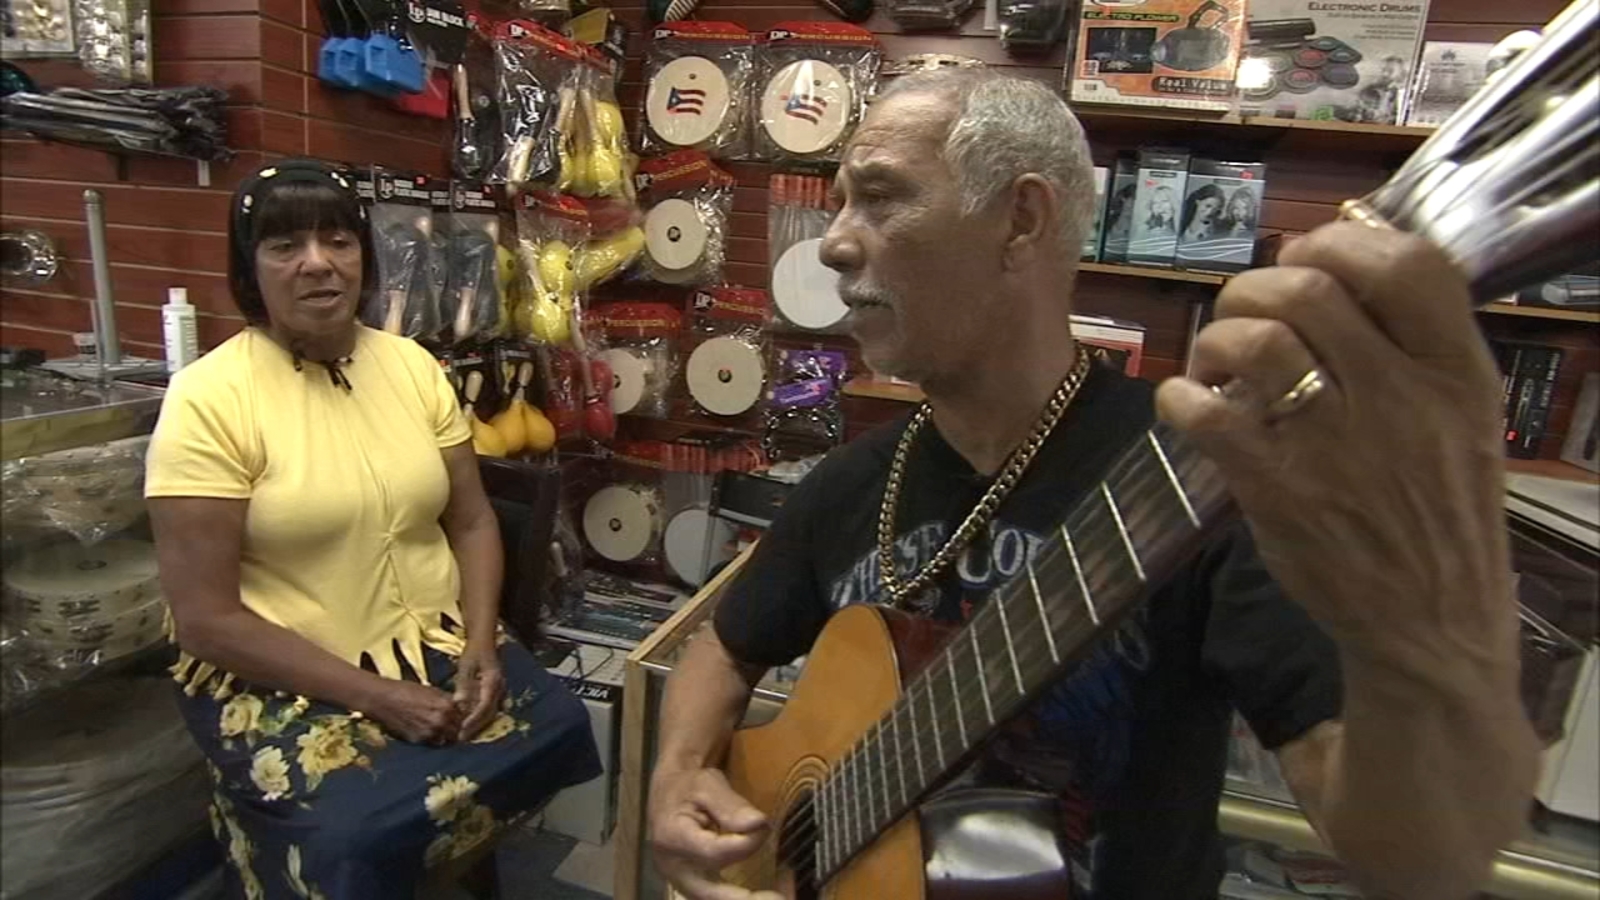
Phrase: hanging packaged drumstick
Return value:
(804, 291)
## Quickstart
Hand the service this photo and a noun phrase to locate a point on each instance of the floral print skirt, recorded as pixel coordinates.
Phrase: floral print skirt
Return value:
(314, 803)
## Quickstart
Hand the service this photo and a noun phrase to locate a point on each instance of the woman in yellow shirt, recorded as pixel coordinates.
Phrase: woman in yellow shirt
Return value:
(334, 570)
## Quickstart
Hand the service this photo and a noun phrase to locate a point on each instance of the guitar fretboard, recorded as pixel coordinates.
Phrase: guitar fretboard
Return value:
(1144, 520)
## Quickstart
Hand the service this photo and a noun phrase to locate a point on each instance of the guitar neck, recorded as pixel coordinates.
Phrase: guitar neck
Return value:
(1147, 517)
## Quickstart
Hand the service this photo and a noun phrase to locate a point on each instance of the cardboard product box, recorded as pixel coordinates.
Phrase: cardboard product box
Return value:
(1091, 238)
(1221, 205)
(1180, 54)
(1327, 60)
(1117, 213)
(1449, 74)
(1117, 343)
(1157, 206)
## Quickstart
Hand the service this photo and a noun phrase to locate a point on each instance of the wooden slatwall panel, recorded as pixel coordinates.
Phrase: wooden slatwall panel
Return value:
(1309, 174)
(163, 229)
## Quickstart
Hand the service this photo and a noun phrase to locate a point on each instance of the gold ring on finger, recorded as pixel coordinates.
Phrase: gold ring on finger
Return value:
(1312, 383)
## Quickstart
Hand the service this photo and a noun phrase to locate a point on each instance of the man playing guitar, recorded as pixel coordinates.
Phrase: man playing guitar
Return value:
(1362, 623)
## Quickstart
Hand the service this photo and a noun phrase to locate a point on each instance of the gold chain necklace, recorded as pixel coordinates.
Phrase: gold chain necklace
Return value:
(901, 591)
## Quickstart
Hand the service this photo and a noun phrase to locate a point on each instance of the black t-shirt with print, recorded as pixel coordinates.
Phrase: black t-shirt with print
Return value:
(1134, 740)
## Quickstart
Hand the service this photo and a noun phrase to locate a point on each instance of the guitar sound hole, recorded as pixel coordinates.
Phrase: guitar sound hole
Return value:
(797, 848)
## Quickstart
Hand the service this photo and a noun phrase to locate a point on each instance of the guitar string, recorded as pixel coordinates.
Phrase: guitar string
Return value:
(1133, 468)
(1137, 472)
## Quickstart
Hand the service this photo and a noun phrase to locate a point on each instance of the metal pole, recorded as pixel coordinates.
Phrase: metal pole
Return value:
(107, 345)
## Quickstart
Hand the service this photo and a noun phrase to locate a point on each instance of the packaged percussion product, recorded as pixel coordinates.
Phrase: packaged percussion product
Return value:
(1117, 343)
(726, 373)
(1221, 205)
(688, 200)
(107, 765)
(1157, 200)
(470, 305)
(803, 416)
(402, 238)
(91, 492)
(1032, 26)
(922, 15)
(1350, 62)
(1091, 237)
(1449, 73)
(805, 292)
(1118, 210)
(593, 148)
(87, 604)
(695, 542)
(641, 354)
(812, 86)
(1181, 54)
(697, 94)
(623, 522)
(537, 72)
(552, 232)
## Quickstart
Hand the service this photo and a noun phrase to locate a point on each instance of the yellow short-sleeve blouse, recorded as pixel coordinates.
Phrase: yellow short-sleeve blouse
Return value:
(343, 543)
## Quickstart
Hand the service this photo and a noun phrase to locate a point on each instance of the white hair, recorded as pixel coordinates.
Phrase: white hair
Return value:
(1006, 127)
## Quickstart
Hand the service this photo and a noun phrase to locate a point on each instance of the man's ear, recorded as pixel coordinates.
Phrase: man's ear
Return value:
(1035, 209)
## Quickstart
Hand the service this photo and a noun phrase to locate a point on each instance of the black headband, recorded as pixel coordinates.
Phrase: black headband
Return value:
(309, 171)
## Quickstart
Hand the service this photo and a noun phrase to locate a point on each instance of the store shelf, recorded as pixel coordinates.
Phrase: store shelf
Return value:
(1540, 312)
(1551, 468)
(1088, 111)
(1519, 874)
(877, 389)
(1150, 272)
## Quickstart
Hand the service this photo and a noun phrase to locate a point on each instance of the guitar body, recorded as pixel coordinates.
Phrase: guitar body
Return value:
(852, 676)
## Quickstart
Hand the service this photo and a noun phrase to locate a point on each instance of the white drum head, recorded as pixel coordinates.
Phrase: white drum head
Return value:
(806, 291)
(687, 101)
(685, 544)
(674, 234)
(725, 375)
(806, 106)
(628, 373)
(619, 522)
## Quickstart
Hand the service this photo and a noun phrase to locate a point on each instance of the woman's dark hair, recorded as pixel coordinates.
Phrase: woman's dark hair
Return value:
(1191, 203)
(282, 198)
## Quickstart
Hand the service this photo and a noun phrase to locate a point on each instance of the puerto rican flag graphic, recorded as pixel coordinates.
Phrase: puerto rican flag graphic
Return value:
(686, 100)
(806, 107)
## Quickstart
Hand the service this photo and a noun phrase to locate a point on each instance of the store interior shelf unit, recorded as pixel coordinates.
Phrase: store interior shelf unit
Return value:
(1178, 115)
(1518, 874)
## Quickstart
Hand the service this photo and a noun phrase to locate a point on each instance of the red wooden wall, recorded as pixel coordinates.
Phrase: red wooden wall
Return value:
(163, 228)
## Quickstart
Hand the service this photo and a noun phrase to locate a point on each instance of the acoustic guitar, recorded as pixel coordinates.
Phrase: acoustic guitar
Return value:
(890, 707)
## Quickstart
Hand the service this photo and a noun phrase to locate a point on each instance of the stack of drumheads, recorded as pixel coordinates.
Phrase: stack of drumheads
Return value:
(89, 492)
(94, 783)
(79, 603)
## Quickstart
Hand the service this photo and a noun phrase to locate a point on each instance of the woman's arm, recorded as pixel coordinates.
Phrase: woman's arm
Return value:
(474, 534)
(197, 547)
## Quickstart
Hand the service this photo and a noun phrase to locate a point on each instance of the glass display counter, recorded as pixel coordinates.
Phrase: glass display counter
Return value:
(92, 733)
(645, 675)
